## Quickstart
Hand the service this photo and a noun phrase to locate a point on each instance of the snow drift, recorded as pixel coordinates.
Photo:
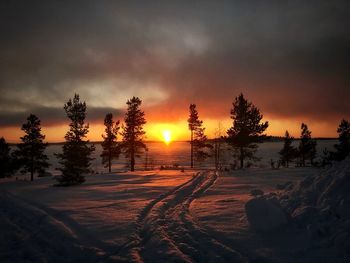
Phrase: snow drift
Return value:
(319, 206)
(265, 214)
(31, 235)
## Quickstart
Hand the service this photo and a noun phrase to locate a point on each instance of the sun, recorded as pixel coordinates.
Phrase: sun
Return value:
(166, 132)
(167, 136)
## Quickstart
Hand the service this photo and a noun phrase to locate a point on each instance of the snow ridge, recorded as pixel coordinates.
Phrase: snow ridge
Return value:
(30, 234)
(166, 231)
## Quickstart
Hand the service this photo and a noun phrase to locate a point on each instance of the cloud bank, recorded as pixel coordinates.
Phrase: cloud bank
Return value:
(292, 59)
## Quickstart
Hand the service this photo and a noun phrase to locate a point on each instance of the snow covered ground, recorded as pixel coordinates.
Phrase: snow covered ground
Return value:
(221, 211)
(153, 216)
(99, 214)
(178, 153)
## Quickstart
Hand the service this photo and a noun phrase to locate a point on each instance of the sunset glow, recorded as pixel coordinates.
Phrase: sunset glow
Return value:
(167, 136)
(178, 130)
(172, 60)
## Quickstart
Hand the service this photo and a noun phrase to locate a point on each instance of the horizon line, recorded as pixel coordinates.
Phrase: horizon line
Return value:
(176, 141)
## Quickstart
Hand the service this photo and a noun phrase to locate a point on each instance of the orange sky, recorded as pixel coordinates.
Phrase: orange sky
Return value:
(291, 60)
(179, 130)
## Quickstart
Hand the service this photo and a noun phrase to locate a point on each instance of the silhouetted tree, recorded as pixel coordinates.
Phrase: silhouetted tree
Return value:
(5, 159)
(199, 141)
(218, 140)
(327, 157)
(193, 123)
(30, 152)
(247, 129)
(307, 146)
(200, 144)
(133, 132)
(110, 146)
(343, 147)
(288, 152)
(75, 158)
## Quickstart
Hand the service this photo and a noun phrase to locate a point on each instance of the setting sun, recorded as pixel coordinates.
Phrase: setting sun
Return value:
(166, 132)
(167, 136)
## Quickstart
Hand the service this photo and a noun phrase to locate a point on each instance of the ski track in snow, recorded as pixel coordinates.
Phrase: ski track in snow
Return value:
(166, 232)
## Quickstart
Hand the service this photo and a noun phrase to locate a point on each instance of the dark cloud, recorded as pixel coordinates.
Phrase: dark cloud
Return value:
(53, 116)
(291, 58)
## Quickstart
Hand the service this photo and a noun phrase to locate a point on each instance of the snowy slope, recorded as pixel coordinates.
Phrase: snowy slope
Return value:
(169, 216)
(29, 234)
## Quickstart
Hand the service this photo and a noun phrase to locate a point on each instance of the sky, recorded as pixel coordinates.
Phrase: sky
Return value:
(290, 58)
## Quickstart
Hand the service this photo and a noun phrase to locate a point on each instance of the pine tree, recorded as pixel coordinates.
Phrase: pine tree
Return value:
(5, 159)
(307, 146)
(200, 144)
(218, 140)
(133, 132)
(288, 152)
(199, 140)
(75, 158)
(246, 130)
(193, 124)
(343, 147)
(327, 157)
(110, 146)
(30, 152)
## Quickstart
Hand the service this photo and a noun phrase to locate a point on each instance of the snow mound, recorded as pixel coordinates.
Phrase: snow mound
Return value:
(321, 205)
(28, 234)
(315, 211)
(265, 214)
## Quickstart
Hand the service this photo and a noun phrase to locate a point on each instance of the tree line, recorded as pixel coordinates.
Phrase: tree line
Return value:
(306, 151)
(243, 136)
(75, 158)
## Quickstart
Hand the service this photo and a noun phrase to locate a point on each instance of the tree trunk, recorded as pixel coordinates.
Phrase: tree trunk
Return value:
(219, 149)
(109, 160)
(303, 160)
(191, 149)
(241, 156)
(132, 158)
(216, 153)
(32, 170)
(132, 163)
(146, 161)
